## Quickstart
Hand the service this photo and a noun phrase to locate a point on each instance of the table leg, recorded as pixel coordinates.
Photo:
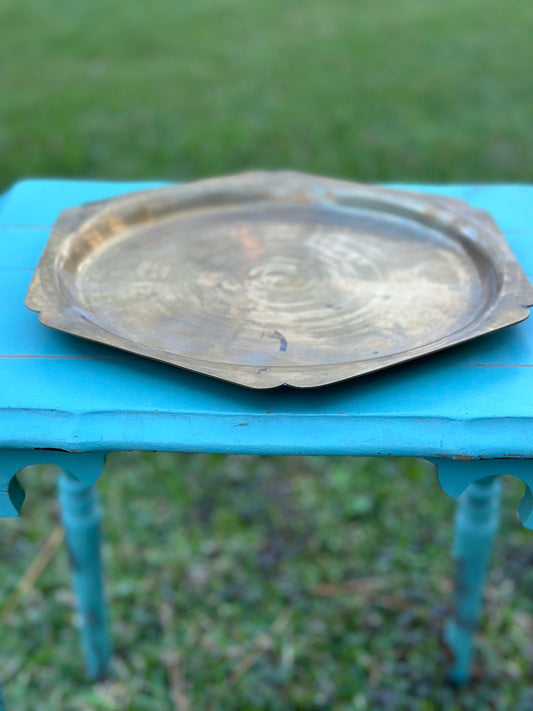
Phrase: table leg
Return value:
(81, 519)
(475, 526)
(80, 514)
(2, 705)
(11, 494)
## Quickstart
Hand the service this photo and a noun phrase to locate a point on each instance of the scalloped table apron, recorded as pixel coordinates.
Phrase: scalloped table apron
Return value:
(69, 402)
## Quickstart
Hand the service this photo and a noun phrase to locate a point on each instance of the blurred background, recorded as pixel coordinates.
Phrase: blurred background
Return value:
(246, 582)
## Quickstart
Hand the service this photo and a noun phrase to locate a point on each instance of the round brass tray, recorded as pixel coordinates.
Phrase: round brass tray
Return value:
(266, 279)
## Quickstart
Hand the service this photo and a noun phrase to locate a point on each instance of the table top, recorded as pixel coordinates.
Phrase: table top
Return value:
(60, 391)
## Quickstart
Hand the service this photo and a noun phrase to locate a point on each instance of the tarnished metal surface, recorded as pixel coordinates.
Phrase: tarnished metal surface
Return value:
(266, 279)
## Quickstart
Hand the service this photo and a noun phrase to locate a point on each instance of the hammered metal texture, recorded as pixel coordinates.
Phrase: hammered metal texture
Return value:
(266, 279)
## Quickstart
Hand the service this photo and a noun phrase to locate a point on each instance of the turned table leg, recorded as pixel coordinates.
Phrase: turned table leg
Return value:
(476, 482)
(81, 519)
(81, 516)
(475, 526)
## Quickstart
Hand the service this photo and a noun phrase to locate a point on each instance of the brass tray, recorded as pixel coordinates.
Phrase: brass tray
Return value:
(266, 279)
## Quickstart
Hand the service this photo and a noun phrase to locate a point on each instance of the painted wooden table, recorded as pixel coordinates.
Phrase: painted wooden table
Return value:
(69, 402)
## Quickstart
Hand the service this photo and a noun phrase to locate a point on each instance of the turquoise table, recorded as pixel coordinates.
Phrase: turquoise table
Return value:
(70, 402)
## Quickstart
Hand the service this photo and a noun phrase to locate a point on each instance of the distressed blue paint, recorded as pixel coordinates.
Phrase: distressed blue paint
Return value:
(473, 401)
(456, 476)
(451, 403)
(475, 526)
(85, 467)
(11, 494)
(81, 517)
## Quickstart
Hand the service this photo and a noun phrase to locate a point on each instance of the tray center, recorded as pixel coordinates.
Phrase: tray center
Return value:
(266, 285)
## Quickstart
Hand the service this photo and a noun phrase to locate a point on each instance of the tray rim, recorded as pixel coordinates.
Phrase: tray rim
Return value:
(107, 217)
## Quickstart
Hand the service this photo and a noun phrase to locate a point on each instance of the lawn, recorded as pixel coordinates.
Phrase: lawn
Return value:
(248, 582)
(433, 92)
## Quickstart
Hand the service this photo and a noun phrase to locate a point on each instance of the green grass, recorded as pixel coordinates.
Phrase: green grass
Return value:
(429, 91)
(266, 583)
